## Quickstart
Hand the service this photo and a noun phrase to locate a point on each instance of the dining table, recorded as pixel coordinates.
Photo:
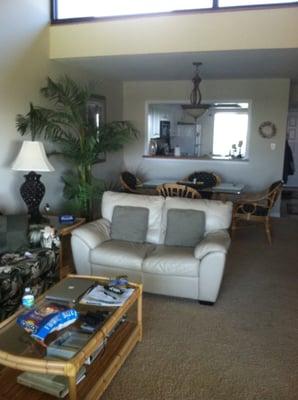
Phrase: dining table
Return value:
(222, 191)
(153, 183)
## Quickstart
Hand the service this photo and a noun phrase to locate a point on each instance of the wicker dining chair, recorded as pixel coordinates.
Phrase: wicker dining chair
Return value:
(131, 184)
(256, 207)
(129, 181)
(207, 179)
(175, 190)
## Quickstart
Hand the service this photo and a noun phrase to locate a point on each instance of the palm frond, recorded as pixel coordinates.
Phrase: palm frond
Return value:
(77, 137)
(65, 92)
(114, 135)
(47, 123)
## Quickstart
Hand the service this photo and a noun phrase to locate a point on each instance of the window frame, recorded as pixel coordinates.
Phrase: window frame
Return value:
(215, 8)
(249, 102)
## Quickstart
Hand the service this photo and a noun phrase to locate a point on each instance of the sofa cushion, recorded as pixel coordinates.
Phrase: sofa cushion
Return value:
(129, 223)
(153, 203)
(218, 214)
(13, 232)
(184, 227)
(174, 260)
(121, 254)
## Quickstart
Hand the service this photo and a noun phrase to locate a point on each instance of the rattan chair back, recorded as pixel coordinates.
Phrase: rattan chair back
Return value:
(175, 190)
(256, 207)
(128, 181)
(131, 184)
(209, 179)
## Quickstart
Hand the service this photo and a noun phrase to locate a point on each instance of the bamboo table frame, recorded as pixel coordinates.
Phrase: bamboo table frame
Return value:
(101, 371)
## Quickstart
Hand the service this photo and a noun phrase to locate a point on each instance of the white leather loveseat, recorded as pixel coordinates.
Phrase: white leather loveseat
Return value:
(191, 272)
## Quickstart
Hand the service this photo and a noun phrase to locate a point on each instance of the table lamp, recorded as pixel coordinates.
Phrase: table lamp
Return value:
(32, 157)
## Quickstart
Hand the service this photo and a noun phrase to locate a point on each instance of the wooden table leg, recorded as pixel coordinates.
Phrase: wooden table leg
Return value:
(139, 314)
(72, 388)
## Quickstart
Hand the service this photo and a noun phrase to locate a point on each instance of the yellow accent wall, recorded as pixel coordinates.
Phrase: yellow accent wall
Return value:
(191, 32)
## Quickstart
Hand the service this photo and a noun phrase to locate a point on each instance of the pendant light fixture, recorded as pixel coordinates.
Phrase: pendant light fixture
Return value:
(195, 108)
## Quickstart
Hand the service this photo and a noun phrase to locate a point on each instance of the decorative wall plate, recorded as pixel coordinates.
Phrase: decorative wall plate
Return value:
(267, 129)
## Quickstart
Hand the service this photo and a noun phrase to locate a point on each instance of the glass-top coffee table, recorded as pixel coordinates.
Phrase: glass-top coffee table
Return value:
(19, 352)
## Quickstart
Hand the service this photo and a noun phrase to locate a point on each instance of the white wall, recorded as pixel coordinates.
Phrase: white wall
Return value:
(269, 103)
(24, 65)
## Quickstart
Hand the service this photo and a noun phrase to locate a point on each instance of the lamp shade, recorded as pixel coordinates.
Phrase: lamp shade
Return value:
(32, 157)
(195, 111)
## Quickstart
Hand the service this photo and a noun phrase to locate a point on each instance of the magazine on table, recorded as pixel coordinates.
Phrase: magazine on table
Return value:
(101, 296)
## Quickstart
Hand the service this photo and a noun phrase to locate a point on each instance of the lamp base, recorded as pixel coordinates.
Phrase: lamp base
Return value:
(32, 192)
(38, 219)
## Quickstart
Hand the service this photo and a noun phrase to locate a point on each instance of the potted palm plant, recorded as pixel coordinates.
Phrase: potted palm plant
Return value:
(79, 139)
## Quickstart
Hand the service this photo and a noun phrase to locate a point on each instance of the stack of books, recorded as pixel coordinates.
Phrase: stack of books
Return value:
(63, 348)
(68, 344)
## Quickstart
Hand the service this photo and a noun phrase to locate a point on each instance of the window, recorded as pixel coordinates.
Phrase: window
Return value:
(79, 9)
(93, 8)
(230, 133)
(221, 132)
(243, 3)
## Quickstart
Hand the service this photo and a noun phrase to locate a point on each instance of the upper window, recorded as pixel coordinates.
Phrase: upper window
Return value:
(243, 3)
(77, 9)
(112, 8)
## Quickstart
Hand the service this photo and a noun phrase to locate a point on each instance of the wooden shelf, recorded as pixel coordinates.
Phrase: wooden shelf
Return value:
(99, 373)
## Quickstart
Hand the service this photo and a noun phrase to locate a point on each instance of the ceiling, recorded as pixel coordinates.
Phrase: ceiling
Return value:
(244, 64)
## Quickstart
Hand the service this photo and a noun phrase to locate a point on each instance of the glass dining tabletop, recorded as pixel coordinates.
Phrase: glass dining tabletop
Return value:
(224, 187)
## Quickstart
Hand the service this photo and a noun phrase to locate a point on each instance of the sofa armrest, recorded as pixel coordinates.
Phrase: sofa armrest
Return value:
(218, 241)
(84, 239)
(93, 233)
(211, 252)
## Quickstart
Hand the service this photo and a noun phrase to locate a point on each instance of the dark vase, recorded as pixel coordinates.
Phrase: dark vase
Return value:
(32, 192)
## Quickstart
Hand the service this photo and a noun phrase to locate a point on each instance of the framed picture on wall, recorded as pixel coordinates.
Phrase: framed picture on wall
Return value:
(96, 109)
(96, 113)
(292, 121)
(292, 134)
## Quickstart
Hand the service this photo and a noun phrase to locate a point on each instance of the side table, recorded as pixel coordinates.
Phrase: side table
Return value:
(66, 264)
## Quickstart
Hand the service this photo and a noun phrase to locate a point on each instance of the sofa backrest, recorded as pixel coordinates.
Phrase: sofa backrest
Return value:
(155, 205)
(218, 214)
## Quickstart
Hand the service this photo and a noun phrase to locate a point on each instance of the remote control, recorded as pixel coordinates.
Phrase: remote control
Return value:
(114, 289)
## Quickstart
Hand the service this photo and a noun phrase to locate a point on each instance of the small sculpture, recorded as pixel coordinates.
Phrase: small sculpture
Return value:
(49, 238)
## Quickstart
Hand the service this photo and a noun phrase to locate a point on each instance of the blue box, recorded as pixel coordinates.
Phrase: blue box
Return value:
(67, 219)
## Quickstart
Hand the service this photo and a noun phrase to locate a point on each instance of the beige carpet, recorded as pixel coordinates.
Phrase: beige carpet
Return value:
(244, 347)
